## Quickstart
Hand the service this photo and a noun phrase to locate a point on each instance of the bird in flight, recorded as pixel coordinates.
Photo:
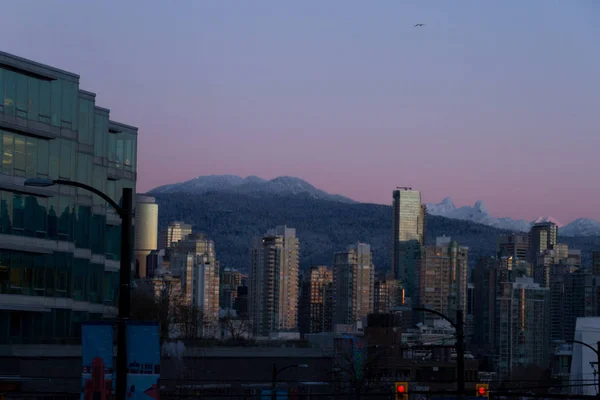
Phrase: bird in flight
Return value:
(418, 25)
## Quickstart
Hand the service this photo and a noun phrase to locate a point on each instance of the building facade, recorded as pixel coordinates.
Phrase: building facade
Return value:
(523, 337)
(515, 245)
(274, 281)
(353, 285)
(173, 233)
(316, 301)
(194, 260)
(146, 231)
(408, 236)
(542, 237)
(59, 246)
(442, 275)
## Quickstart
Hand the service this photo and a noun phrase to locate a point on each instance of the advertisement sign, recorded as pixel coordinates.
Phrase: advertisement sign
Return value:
(97, 381)
(143, 360)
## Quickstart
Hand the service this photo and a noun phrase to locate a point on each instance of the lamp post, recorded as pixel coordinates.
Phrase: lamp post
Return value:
(277, 372)
(125, 212)
(459, 326)
(595, 350)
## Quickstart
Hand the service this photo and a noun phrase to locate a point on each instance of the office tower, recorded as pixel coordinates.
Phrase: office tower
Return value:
(523, 337)
(173, 233)
(408, 238)
(542, 236)
(515, 245)
(146, 231)
(485, 278)
(596, 262)
(60, 246)
(274, 281)
(194, 260)
(316, 301)
(572, 294)
(229, 282)
(388, 293)
(353, 285)
(443, 272)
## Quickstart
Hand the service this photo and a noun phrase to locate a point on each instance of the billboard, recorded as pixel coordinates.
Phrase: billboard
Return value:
(97, 381)
(143, 360)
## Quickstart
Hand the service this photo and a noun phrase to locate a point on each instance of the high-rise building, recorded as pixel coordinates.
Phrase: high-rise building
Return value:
(388, 293)
(194, 260)
(442, 275)
(523, 337)
(542, 237)
(353, 285)
(173, 233)
(274, 281)
(515, 245)
(60, 245)
(229, 282)
(317, 301)
(408, 236)
(596, 262)
(146, 231)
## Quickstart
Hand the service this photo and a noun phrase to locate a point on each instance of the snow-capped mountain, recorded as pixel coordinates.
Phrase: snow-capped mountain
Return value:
(581, 227)
(251, 185)
(478, 213)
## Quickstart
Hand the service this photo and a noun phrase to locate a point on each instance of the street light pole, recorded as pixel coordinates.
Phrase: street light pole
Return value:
(126, 215)
(278, 371)
(459, 326)
(125, 212)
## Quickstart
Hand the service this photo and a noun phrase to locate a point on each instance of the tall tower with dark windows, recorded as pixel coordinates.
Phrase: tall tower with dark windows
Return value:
(408, 236)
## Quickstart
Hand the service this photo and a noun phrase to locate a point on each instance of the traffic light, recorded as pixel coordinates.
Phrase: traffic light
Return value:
(481, 390)
(401, 390)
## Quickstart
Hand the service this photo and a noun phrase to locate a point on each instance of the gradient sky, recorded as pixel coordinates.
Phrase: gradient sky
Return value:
(491, 100)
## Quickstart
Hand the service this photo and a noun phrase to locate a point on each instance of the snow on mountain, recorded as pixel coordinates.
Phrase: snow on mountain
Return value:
(251, 185)
(478, 213)
(581, 227)
(548, 219)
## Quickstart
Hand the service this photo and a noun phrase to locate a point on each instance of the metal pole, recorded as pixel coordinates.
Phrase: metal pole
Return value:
(598, 367)
(124, 292)
(460, 353)
(274, 383)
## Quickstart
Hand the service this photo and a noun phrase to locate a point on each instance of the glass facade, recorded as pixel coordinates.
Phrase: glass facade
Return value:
(68, 242)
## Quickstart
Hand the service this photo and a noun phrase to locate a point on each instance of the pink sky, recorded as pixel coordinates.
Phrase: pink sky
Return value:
(490, 101)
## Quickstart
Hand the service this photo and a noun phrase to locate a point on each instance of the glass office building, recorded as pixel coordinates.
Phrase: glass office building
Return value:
(59, 246)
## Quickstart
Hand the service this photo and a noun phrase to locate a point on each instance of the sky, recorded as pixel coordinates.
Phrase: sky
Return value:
(491, 100)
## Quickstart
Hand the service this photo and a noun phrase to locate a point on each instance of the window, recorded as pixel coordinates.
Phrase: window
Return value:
(10, 92)
(67, 158)
(1, 90)
(86, 122)
(42, 158)
(7, 153)
(18, 225)
(20, 156)
(82, 226)
(100, 135)
(22, 94)
(45, 114)
(6, 212)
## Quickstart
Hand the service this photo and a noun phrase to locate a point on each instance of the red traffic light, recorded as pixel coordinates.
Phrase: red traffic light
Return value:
(481, 390)
(400, 389)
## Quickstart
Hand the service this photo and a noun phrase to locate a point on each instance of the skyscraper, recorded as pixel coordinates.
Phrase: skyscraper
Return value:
(515, 245)
(408, 236)
(60, 246)
(146, 231)
(442, 275)
(173, 233)
(596, 262)
(353, 284)
(317, 300)
(194, 260)
(523, 337)
(274, 281)
(542, 236)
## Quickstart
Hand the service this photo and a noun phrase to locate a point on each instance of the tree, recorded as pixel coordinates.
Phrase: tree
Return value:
(237, 329)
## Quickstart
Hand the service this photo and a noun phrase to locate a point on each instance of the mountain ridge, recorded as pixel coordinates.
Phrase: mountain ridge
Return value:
(323, 226)
(251, 185)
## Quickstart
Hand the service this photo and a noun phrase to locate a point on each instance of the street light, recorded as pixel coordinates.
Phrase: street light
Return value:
(277, 372)
(595, 350)
(125, 212)
(459, 326)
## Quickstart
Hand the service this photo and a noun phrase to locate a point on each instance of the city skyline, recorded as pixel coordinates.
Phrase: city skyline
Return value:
(395, 96)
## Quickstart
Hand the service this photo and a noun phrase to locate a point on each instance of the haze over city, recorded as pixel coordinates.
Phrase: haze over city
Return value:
(482, 102)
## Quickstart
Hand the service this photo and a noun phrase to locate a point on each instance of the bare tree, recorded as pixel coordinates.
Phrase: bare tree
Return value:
(238, 328)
